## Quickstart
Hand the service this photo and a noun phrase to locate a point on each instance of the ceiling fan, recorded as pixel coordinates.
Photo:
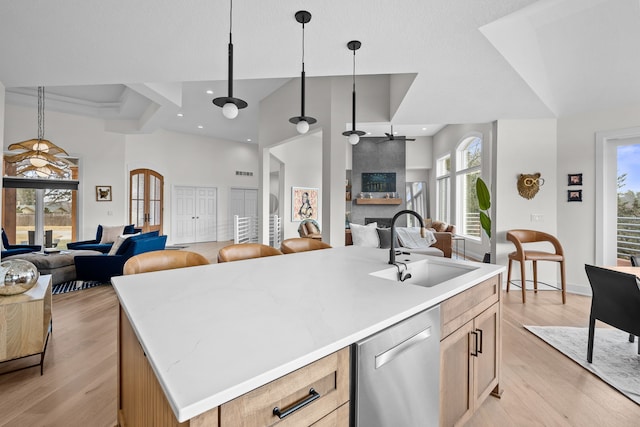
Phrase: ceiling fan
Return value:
(392, 137)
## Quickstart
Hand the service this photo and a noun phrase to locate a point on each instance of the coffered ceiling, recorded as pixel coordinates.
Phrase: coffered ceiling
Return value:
(140, 63)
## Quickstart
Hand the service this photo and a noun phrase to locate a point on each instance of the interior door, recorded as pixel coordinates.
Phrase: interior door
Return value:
(146, 197)
(184, 215)
(206, 203)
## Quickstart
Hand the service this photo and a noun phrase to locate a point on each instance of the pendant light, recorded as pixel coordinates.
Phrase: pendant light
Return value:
(353, 134)
(39, 155)
(229, 104)
(302, 122)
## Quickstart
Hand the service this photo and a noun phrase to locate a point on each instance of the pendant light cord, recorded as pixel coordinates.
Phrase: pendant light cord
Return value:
(303, 46)
(230, 19)
(40, 113)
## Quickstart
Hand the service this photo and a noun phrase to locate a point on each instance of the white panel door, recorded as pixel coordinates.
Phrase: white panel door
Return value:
(184, 215)
(206, 214)
(194, 214)
(251, 202)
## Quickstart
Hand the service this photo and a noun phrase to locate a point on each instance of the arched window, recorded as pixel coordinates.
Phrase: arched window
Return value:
(468, 168)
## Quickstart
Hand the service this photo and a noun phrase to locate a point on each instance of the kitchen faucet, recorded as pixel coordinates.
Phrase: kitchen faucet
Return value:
(392, 250)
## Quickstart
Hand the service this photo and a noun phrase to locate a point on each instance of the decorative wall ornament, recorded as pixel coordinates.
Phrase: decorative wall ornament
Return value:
(103, 193)
(304, 203)
(529, 184)
(574, 195)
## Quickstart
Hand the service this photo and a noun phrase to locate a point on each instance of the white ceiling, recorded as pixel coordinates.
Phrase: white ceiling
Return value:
(138, 63)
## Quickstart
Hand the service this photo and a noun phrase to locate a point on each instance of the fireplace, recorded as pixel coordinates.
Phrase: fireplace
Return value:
(382, 222)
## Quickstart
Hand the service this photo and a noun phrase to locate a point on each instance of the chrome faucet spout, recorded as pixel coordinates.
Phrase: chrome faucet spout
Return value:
(392, 249)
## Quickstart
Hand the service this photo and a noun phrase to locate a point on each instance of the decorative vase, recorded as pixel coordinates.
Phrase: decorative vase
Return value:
(17, 276)
(487, 258)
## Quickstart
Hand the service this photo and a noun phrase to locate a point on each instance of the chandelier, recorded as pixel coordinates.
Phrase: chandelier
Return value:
(39, 155)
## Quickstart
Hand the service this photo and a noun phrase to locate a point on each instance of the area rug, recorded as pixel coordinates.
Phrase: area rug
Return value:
(615, 359)
(74, 285)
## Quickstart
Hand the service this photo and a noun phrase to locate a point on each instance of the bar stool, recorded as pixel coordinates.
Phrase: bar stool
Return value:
(521, 237)
(162, 260)
(242, 251)
(302, 244)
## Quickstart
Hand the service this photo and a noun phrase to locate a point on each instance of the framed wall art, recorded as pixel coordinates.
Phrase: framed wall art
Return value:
(574, 195)
(575, 179)
(304, 203)
(103, 193)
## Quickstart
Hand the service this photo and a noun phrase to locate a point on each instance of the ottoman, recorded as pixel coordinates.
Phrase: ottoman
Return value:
(60, 265)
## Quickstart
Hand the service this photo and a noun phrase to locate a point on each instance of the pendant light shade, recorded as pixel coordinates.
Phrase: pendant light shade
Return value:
(302, 122)
(353, 134)
(38, 155)
(229, 104)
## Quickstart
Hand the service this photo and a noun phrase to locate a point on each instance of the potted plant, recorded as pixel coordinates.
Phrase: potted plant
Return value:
(484, 203)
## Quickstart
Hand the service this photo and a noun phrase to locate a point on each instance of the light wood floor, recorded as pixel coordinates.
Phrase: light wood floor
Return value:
(541, 386)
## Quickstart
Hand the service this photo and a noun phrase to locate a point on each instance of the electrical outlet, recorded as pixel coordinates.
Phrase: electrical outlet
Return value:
(537, 217)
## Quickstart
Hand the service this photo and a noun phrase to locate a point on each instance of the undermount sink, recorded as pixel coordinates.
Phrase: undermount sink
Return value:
(425, 272)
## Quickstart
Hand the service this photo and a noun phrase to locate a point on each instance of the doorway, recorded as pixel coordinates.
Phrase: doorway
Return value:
(194, 214)
(244, 203)
(146, 190)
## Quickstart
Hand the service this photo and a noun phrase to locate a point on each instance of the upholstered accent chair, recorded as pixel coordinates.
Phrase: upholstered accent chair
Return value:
(522, 237)
(162, 260)
(302, 244)
(242, 251)
(9, 249)
(309, 228)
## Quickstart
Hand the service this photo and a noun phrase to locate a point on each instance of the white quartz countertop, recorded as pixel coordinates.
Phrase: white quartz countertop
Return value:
(212, 333)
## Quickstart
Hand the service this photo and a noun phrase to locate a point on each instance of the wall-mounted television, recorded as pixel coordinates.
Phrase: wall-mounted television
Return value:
(380, 182)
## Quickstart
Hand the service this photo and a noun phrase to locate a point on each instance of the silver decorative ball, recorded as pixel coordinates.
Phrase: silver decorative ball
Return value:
(17, 276)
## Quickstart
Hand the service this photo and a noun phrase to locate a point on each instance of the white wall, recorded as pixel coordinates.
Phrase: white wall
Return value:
(300, 173)
(192, 160)
(2, 108)
(420, 153)
(525, 146)
(576, 154)
(101, 157)
(106, 159)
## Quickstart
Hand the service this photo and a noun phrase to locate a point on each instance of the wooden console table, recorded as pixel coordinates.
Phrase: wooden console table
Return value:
(26, 324)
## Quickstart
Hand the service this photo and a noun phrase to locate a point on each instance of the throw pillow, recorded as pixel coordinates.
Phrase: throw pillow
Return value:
(365, 235)
(439, 226)
(119, 241)
(111, 233)
(410, 238)
(384, 235)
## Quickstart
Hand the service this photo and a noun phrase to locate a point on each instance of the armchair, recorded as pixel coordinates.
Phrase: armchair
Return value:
(95, 245)
(104, 267)
(8, 249)
(309, 228)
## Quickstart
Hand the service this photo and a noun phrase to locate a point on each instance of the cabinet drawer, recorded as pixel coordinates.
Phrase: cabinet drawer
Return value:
(328, 376)
(459, 309)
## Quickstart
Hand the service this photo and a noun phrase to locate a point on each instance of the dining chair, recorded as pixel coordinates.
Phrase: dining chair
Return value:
(242, 251)
(302, 244)
(162, 260)
(615, 301)
(521, 237)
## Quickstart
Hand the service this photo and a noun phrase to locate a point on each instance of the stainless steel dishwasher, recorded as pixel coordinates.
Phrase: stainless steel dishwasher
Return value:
(396, 379)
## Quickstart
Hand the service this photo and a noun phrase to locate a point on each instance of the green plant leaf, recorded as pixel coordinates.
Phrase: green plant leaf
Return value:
(484, 198)
(485, 221)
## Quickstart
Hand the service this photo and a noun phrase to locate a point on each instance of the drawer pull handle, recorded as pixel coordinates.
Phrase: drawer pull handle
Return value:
(480, 332)
(313, 395)
(475, 342)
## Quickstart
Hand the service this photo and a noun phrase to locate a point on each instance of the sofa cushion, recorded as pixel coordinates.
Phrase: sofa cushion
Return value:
(365, 235)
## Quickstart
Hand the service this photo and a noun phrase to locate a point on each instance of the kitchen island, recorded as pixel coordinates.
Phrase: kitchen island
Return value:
(211, 334)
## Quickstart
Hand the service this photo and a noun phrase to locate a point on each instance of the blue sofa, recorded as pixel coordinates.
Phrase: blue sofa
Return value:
(9, 249)
(95, 245)
(104, 267)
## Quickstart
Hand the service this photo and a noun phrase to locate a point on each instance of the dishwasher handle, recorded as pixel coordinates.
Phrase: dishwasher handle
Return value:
(387, 356)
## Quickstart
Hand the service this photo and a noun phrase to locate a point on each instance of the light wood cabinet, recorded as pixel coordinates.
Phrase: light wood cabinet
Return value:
(25, 323)
(142, 402)
(470, 351)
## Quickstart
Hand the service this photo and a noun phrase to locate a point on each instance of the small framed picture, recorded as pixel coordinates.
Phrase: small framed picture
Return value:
(103, 193)
(574, 195)
(575, 179)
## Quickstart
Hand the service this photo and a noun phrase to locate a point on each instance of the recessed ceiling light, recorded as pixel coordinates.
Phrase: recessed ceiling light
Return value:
(424, 128)
(368, 133)
(209, 92)
(248, 139)
(180, 115)
(200, 127)
(395, 133)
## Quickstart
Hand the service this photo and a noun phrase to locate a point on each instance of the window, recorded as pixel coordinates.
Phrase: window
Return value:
(443, 188)
(469, 163)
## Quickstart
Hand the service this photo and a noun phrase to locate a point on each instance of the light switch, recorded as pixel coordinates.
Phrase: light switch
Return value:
(109, 213)
(537, 217)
